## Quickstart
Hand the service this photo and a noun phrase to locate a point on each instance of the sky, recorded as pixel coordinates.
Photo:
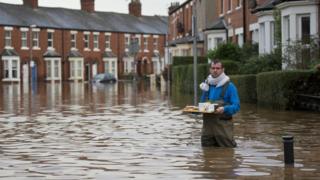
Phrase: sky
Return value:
(149, 7)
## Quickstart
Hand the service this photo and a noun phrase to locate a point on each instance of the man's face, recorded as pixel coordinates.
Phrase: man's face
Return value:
(216, 69)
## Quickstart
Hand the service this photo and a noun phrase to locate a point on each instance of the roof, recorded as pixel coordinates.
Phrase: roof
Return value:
(74, 53)
(268, 5)
(9, 52)
(109, 54)
(62, 18)
(178, 7)
(51, 53)
(183, 40)
(217, 25)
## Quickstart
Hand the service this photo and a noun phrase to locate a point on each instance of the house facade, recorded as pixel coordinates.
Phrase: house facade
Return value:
(180, 37)
(45, 44)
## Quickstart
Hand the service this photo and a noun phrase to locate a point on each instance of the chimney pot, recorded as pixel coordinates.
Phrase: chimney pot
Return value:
(31, 3)
(87, 5)
(135, 8)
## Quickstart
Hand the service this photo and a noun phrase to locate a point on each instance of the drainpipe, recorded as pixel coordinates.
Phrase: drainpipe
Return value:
(244, 21)
(62, 55)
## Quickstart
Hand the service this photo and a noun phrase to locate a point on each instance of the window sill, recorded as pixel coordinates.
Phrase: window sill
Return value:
(24, 48)
(36, 48)
(11, 80)
(87, 49)
(8, 47)
(75, 78)
(146, 51)
(74, 49)
(53, 79)
(96, 50)
(108, 50)
(51, 49)
(229, 11)
(221, 15)
(238, 7)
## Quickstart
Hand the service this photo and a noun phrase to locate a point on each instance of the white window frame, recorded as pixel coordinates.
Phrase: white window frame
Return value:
(9, 60)
(239, 33)
(75, 68)
(127, 42)
(229, 8)
(35, 38)
(156, 43)
(146, 43)
(52, 74)
(24, 38)
(96, 41)
(108, 41)
(86, 41)
(50, 40)
(138, 36)
(221, 8)
(8, 39)
(128, 62)
(73, 40)
(299, 25)
(238, 6)
(111, 66)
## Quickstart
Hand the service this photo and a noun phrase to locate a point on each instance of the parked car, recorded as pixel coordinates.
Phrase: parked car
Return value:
(104, 78)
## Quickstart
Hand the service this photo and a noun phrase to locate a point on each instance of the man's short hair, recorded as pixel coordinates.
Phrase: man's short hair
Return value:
(216, 61)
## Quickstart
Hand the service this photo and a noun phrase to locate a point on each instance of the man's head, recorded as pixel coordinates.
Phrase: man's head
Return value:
(216, 68)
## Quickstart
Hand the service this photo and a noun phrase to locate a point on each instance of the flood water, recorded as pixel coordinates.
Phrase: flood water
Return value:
(124, 130)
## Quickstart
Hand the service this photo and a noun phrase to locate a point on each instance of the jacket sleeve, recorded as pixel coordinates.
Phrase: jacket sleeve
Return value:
(204, 96)
(234, 101)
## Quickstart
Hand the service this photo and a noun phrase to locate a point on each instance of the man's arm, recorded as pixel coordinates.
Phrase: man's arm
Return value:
(234, 105)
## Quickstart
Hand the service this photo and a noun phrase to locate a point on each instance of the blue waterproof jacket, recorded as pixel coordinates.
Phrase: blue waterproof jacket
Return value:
(230, 97)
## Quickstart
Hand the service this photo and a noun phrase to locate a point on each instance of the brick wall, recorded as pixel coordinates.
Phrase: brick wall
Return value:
(62, 45)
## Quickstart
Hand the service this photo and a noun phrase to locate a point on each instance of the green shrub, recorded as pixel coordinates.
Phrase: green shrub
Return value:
(185, 60)
(231, 67)
(246, 85)
(277, 89)
(264, 63)
(228, 51)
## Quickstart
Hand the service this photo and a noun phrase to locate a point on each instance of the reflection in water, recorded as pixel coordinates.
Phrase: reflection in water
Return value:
(127, 130)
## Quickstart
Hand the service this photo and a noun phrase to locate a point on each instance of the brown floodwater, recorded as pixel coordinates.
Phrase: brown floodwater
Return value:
(127, 130)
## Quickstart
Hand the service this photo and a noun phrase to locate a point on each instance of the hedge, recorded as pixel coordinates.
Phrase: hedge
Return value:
(246, 86)
(185, 60)
(277, 89)
(182, 77)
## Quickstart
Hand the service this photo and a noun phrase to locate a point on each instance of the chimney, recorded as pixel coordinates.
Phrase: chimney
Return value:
(87, 5)
(31, 3)
(173, 6)
(135, 8)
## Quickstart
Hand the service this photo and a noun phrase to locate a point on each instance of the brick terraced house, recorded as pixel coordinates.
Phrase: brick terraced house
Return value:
(65, 44)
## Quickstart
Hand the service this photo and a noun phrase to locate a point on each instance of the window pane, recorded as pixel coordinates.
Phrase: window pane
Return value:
(56, 69)
(79, 67)
(72, 68)
(6, 69)
(106, 66)
(14, 69)
(49, 69)
(8, 38)
(113, 66)
(305, 22)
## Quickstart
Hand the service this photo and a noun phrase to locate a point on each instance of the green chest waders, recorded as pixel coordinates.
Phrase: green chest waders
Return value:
(217, 130)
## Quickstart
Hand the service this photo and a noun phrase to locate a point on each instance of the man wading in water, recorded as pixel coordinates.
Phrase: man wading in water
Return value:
(217, 127)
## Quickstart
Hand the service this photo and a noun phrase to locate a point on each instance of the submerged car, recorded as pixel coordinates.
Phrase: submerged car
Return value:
(104, 78)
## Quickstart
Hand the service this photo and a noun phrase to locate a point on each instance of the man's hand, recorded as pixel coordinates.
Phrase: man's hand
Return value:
(220, 110)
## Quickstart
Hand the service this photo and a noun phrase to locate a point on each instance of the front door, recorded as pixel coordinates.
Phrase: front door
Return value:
(87, 76)
(94, 70)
